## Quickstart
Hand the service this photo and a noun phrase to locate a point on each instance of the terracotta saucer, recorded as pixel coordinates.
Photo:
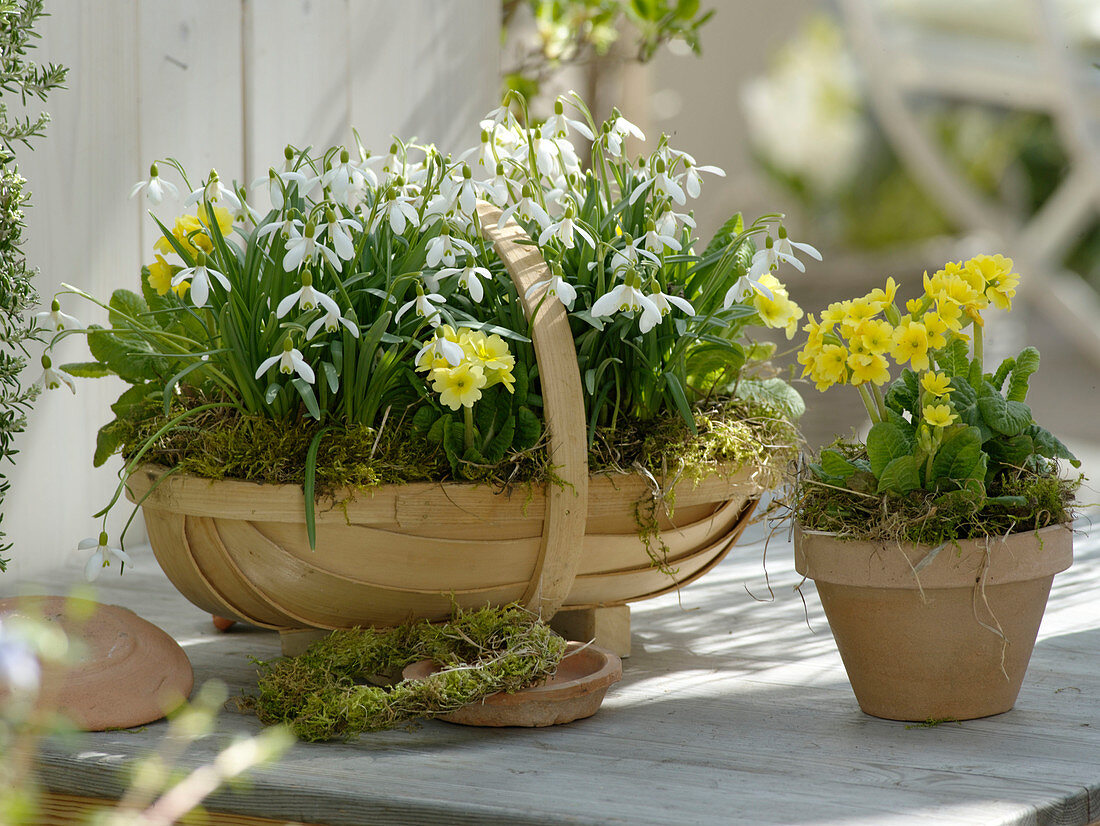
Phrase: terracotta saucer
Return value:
(127, 671)
(574, 692)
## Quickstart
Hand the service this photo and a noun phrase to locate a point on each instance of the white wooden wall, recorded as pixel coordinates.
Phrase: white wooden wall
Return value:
(223, 83)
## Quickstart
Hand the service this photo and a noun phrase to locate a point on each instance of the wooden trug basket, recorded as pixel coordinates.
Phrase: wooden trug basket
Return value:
(239, 549)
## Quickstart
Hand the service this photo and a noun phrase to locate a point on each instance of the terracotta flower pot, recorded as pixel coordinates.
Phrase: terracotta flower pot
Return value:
(943, 636)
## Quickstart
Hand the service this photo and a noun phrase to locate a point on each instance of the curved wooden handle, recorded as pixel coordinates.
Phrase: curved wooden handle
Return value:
(563, 412)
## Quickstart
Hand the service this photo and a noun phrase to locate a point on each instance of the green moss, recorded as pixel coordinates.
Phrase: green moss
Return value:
(326, 693)
(932, 518)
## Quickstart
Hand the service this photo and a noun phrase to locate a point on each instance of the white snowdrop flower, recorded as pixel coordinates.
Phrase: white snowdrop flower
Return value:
(663, 183)
(558, 125)
(668, 224)
(199, 276)
(155, 188)
(307, 299)
(564, 230)
(278, 183)
(425, 305)
(527, 209)
(744, 288)
(784, 250)
(103, 555)
(331, 321)
(555, 287)
(339, 233)
(213, 190)
(290, 361)
(497, 190)
(343, 177)
(400, 212)
(290, 227)
(469, 278)
(444, 248)
(440, 347)
(655, 241)
(692, 181)
(665, 302)
(460, 190)
(627, 297)
(52, 379)
(629, 257)
(55, 320)
(304, 249)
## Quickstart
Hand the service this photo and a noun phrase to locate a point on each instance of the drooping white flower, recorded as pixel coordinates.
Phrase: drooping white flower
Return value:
(564, 230)
(331, 321)
(443, 248)
(460, 191)
(213, 190)
(693, 181)
(556, 287)
(399, 211)
(440, 347)
(527, 209)
(425, 305)
(290, 361)
(629, 257)
(199, 276)
(339, 233)
(669, 223)
(656, 241)
(278, 183)
(344, 177)
(290, 227)
(56, 320)
(103, 555)
(52, 379)
(628, 297)
(665, 302)
(661, 182)
(304, 249)
(552, 153)
(155, 188)
(498, 189)
(557, 125)
(307, 299)
(785, 250)
(469, 278)
(744, 288)
(616, 130)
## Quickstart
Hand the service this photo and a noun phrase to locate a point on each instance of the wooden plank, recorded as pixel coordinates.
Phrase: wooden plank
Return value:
(190, 97)
(730, 710)
(296, 67)
(75, 810)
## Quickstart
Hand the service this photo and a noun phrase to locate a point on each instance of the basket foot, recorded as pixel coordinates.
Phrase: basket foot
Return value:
(608, 627)
(296, 640)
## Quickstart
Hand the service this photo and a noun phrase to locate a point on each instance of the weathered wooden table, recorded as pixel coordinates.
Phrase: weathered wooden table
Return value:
(734, 708)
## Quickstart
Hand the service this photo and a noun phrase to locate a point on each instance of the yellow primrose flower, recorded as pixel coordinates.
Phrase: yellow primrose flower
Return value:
(491, 353)
(936, 328)
(815, 337)
(950, 313)
(160, 278)
(859, 310)
(458, 386)
(830, 367)
(911, 344)
(778, 312)
(1000, 280)
(938, 415)
(835, 313)
(874, 335)
(938, 384)
(884, 297)
(868, 367)
(192, 232)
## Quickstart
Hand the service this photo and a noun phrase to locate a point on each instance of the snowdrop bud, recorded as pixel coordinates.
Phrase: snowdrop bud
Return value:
(55, 306)
(466, 173)
(345, 156)
(484, 135)
(330, 216)
(311, 228)
(307, 279)
(500, 168)
(393, 148)
(293, 214)
(288, 344)
(46, 363)
(769, 243)
(782, 232)
(659, 166)
(615, 113)
(288, 152)
(153, 170)
(559, 107)
(103, 538)
(214, 176)
(200, 259)
(627, 237)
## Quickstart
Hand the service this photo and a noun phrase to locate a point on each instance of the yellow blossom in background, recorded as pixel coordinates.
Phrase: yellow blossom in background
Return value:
(1000, 280)
(192, 232)
(858, 311)
(815, 338)
(938, 384)
(938, 415)
(160, 278)
(867, 367)
(777, 312)
(950, 314)
(458, 386)
(835, 313)
(936, 328)
(911, 344)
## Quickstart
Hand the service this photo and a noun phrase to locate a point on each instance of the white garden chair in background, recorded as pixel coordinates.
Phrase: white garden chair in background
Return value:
(1008, 53)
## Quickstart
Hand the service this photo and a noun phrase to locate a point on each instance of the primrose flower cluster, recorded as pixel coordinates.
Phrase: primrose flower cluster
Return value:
(461, 363)
(945, 424)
